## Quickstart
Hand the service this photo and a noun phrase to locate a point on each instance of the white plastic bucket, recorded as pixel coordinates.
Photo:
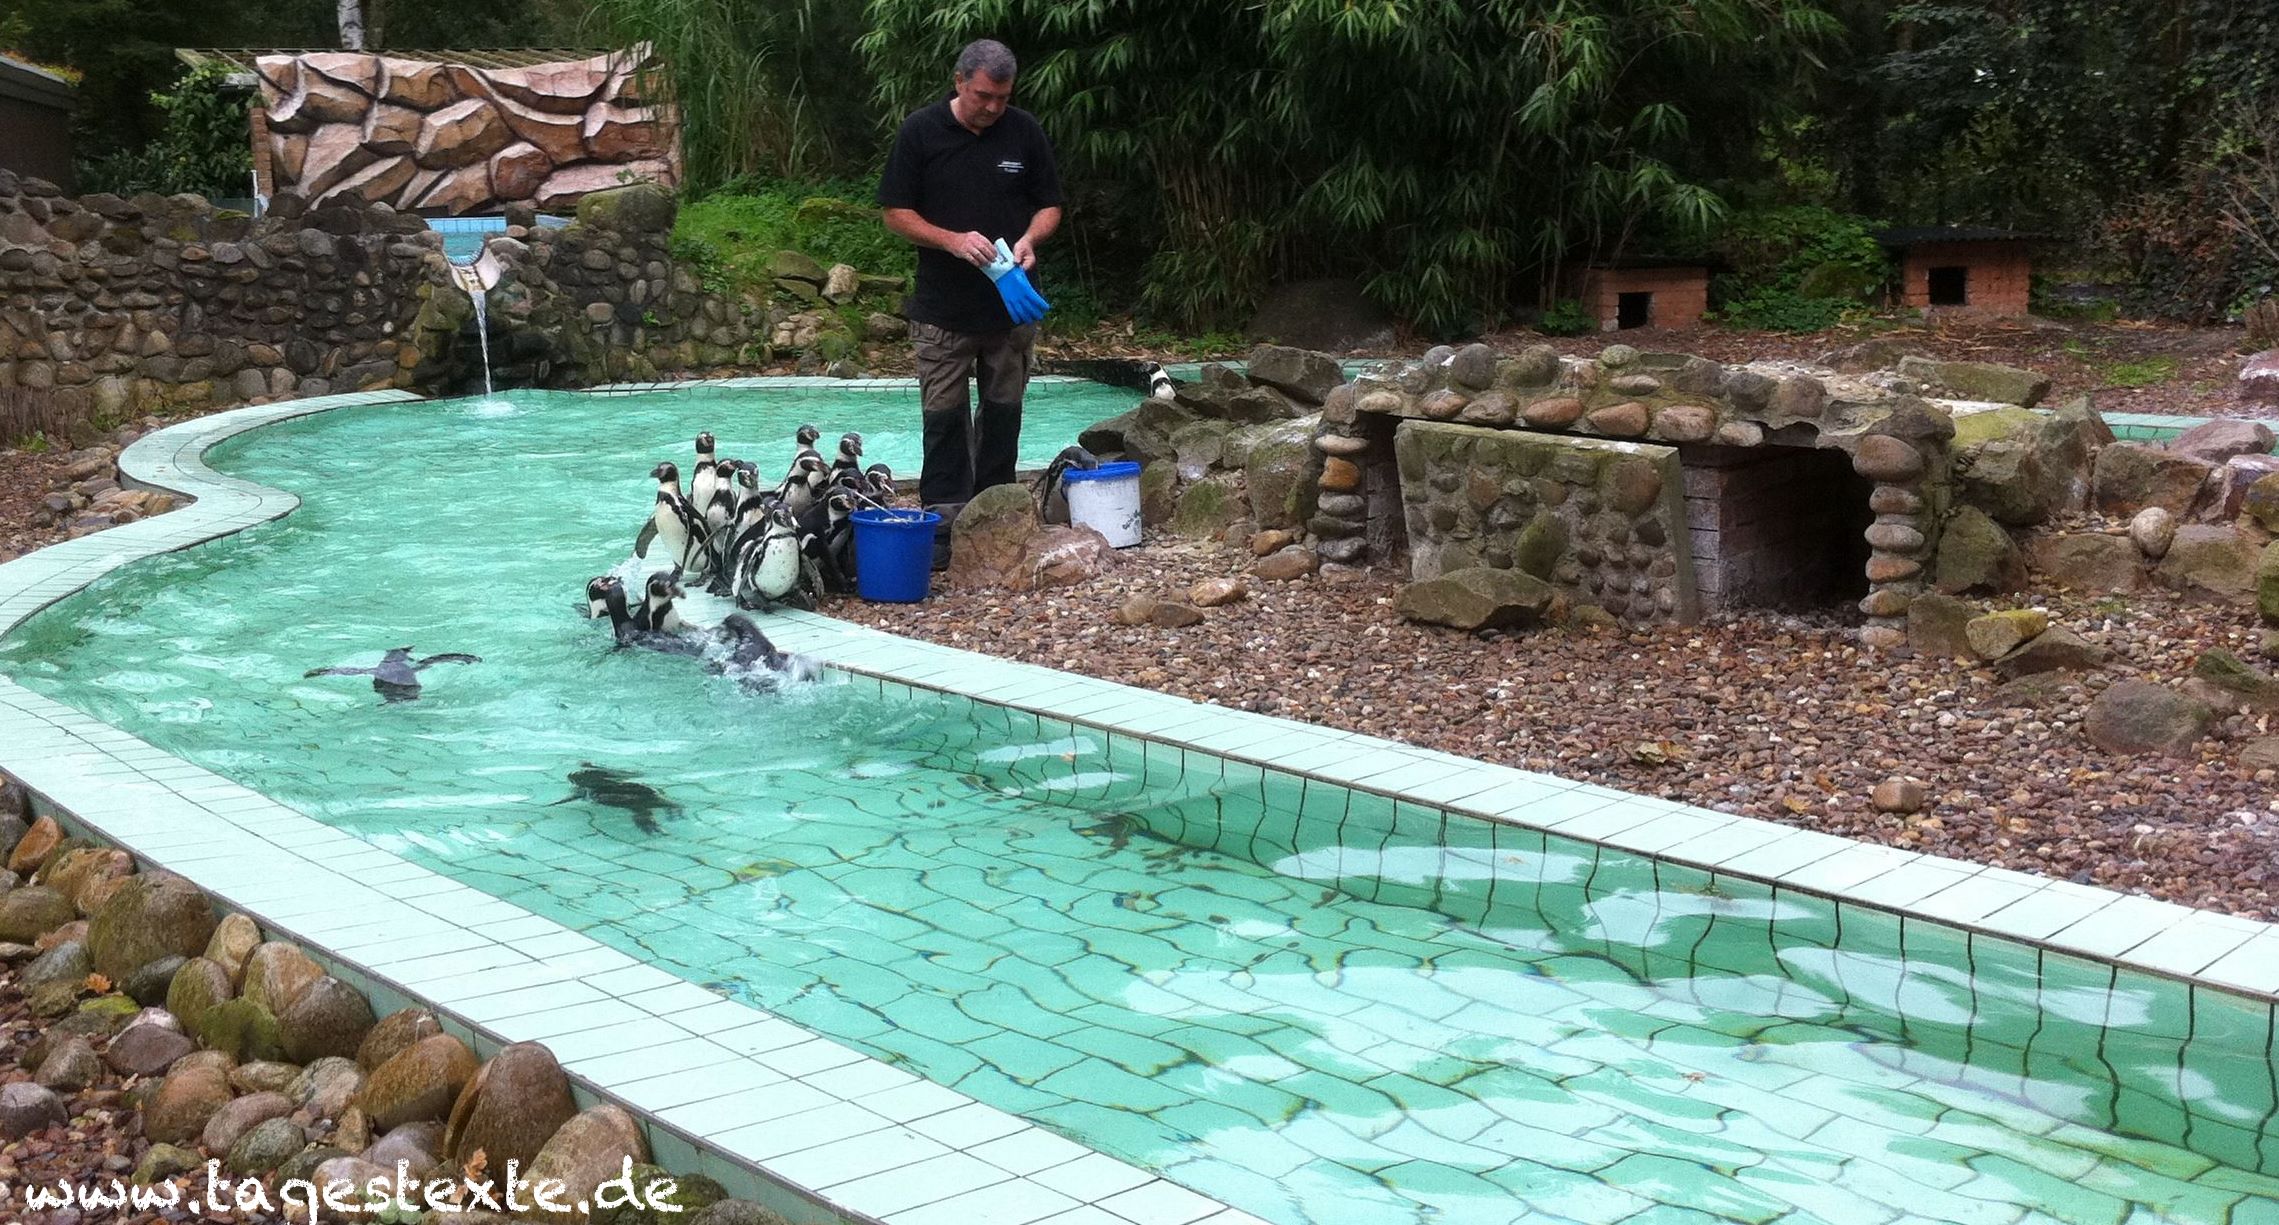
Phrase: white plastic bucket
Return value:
(1107, 500)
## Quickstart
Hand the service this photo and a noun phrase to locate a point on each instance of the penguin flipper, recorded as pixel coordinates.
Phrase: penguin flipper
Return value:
(449, 657)
(641, 542)
(338, 672)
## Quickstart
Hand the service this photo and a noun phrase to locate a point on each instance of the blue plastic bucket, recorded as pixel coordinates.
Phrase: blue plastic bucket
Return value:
(894, 554)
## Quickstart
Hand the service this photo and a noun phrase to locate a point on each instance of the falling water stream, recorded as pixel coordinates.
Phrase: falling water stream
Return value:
(472, 281)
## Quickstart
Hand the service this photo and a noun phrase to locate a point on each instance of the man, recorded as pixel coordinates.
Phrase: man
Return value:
(966, 173)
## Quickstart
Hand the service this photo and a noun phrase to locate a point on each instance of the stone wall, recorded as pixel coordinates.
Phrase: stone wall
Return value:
(1602, 522)
(449, 139)
(596, 301)
(164, 304)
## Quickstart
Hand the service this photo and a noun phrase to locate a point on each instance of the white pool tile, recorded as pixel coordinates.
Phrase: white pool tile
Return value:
(627, 1066)
(1094, 1177)
(2194, 943)
(729, 1078)
(1029, 1150)
(827, 1165)
(969, 1125)
(803, 1058)
(808, 1129)
(1018, 1202)
(2115, 929)
(913, 1186)
(1160, 1203)
(915, 1101)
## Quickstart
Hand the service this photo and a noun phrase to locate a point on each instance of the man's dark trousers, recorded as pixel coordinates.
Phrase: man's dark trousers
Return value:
(967, 452)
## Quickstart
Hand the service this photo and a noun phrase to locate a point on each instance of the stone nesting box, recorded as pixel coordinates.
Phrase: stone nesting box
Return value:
(1977, 269)
(1645, 294)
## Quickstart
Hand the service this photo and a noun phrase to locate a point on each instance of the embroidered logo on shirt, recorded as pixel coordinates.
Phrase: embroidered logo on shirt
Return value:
(1009, 166)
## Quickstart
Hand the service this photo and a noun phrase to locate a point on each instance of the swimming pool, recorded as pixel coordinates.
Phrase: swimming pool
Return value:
(1315, 1002)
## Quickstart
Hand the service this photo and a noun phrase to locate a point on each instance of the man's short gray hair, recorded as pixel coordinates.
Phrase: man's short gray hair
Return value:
(989, 57)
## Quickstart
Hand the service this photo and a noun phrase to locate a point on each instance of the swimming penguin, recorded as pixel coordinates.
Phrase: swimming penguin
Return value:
(657, 613)
(626, 628)
(1158, 383)
(614, 788)
(706, 478)
(597, 587)
(679, 527)
(396, 678)
(754, 661)
(1052, 497)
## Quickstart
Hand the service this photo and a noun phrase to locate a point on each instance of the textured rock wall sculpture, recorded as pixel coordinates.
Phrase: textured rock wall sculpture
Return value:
(447, 139)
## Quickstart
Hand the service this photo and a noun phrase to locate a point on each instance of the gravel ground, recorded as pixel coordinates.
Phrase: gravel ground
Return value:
(1776, 717)
(102, 1141)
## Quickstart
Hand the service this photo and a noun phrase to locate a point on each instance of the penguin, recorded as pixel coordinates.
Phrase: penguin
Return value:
(755, 662)
(850, 457)
(657, 613)
(706, 478)
(396, 677)
(770, 567)
(679, 527)
(807, 436)
(625, 627)
(826, 537)
(615, 788)
(1052, 497)
(802, 485)
(1158, 383)
(720, 507)
(880, 478)
(597, 606)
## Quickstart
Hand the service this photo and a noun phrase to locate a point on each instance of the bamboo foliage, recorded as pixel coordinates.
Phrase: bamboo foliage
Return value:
(1457, 153)
(764, 89)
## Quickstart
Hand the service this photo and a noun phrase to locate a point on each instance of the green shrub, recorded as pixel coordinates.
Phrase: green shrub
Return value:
(202, 148)
(1566, 317)
(730, 234)
(1795, 269)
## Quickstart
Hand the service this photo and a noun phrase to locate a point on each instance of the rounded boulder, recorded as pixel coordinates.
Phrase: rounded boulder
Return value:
(329, 1017)
(419, 1082)
(512, 1106)
(152, 916)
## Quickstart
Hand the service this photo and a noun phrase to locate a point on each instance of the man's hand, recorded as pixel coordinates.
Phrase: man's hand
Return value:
(1024, 252)
(973, 247)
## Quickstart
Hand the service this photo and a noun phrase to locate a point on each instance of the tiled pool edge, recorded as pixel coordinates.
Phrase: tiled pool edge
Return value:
(810, 1128)
(2216, 951)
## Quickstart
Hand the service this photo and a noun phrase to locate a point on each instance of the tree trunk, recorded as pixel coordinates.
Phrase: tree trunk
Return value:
(351, 25)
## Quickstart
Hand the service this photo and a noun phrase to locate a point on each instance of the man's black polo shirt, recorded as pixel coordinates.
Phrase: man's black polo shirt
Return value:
(993, 182)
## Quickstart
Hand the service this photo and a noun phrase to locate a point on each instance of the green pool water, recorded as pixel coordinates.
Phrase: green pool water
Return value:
(1323, 1007)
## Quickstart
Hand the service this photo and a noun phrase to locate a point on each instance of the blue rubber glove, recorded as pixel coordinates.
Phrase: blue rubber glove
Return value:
(1021, 299)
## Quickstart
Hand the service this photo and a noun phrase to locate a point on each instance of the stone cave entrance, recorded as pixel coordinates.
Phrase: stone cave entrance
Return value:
(1780, 528)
